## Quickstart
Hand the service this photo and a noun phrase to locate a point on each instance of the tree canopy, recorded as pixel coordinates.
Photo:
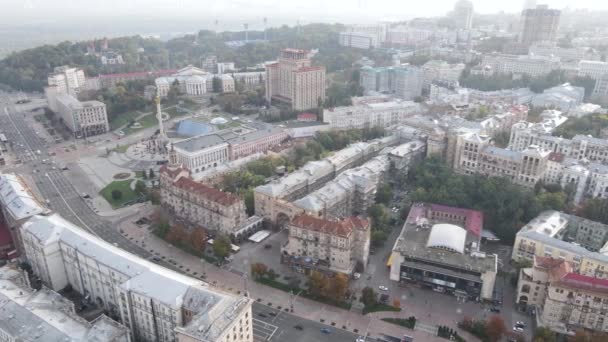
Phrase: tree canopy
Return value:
(506, 206)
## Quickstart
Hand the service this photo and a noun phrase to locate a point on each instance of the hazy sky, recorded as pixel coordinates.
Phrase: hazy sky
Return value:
(307, 9)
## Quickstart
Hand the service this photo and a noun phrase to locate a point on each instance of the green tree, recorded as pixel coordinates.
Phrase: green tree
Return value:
(369, 297)
(140, 187)
(317, 283)
(221, 246)
(249, 199)
(384, 194)
(151, 174)
(543, 335)
(216, 84)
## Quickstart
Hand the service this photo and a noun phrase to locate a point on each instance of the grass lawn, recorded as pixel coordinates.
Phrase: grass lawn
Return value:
(127, 194)
(145, 122)
(123, 119)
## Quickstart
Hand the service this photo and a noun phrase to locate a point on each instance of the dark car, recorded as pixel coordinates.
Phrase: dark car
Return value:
(298, 327)
(497, 310)
(273, 314)
(263, 315)
(326, 330)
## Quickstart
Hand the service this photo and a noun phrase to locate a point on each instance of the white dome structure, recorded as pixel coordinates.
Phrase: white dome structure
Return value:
(447, 236)
(218, 121)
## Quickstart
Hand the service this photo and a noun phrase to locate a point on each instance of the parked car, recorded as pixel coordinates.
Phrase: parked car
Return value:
(495, 309)
(326, 330)
(298, 327)
(518, 329)
(383, 288)
(263, 315)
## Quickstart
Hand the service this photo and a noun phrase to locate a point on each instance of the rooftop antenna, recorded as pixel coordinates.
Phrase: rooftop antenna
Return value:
(246, 32)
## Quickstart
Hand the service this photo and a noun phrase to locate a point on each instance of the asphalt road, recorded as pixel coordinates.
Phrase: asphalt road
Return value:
(281, 328)
(54, 186)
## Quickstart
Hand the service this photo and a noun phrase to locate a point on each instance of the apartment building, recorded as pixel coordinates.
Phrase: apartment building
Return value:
(363, 36)
(351, 193)
(27, 314)
(404, 81)
(17, 204)
(568, 237)
(437, 70)
(533, 66)
(67, 80)
(539, 24)
(593, 69)
(532, 282)
(294, 81)
(475, 155)
(571, 54)
(249, 80)
(152, 301)
(380, 114)
(336, 246)
(574, 302)
(273, 200)
(463, 14)
(203, 205)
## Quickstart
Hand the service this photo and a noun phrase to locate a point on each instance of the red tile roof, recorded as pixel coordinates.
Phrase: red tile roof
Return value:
(172, 172)
(473, 218)
(584, 282)
(341, 228)
(208, 192)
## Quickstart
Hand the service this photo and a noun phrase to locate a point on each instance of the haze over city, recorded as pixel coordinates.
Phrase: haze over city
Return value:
(303, 171)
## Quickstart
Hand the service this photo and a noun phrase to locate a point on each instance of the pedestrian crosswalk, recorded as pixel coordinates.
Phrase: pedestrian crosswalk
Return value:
(263, 331)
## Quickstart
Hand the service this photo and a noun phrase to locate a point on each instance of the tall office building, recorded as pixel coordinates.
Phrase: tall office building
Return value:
(539, 25)
(463, 14)
(294, 81)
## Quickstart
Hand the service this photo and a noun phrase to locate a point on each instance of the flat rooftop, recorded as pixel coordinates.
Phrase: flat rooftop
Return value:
(414, 237)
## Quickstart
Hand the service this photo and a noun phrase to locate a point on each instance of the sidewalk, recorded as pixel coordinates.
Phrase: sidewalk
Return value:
(303, 307)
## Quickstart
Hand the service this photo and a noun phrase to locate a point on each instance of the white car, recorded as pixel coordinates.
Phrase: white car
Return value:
(360, 339)
(518, 329)
(520, 324)
(383, 288)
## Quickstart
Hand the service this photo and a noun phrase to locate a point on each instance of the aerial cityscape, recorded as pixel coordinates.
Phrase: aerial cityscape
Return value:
(304, 172)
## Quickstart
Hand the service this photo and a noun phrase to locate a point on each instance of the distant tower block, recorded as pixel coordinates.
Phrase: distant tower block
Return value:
(246, 32)
(265, 28)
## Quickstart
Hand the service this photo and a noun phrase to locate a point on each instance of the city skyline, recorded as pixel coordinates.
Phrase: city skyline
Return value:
(338, 10)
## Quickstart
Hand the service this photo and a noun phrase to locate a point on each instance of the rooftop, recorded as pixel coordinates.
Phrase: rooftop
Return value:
(17, 198)
(583, 282)
(232, 136)
(453, 248)
(145, 278)
(342, 228)
(30, 315)
(210, 193)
